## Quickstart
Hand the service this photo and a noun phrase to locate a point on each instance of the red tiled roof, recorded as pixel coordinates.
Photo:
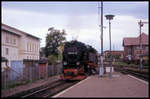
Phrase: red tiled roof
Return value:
(136, 40)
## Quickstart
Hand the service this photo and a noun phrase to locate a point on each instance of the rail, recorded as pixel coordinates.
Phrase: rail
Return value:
(46, 90)
(141, 75)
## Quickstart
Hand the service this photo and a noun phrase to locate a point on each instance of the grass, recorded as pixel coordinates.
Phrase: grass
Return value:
(120, 63)
(131, 65)
(14, 84)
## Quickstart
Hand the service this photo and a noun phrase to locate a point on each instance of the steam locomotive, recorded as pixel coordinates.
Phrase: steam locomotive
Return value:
(77, 61)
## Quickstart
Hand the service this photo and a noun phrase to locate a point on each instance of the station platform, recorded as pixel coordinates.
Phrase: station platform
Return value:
(119, 85)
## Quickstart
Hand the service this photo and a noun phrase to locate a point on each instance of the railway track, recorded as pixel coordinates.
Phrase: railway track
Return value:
(136, 74)
(47, 90)
(50, 90)
(142, 76)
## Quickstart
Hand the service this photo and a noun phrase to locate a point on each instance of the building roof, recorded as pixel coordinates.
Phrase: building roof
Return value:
(15, 31)
(119, 51)
(114, 52)
(128, 41)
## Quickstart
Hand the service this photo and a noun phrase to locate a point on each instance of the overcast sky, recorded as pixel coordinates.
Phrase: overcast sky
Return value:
(80, 20)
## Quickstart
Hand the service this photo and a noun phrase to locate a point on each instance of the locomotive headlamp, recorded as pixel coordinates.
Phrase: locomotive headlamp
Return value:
(75, 72)
(65, 63)
(78, 63)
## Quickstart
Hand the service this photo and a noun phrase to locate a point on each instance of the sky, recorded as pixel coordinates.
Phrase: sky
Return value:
(80, 20)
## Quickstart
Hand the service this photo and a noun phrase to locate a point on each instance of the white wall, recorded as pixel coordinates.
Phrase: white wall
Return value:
(12, 47)
(31, 48)
(18, 50)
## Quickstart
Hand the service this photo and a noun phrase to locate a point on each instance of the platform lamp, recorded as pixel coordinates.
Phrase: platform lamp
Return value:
(110, 17)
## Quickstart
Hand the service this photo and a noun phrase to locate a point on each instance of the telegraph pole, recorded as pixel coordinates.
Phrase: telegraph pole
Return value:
(101, 69)
(102, 31)
(140, 24)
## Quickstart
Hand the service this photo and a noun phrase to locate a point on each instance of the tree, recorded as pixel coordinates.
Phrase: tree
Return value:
(52, 59)
(60, 52)
(117, 56)
(53, 40)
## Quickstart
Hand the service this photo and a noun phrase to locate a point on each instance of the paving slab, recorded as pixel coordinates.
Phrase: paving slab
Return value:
(119, 86)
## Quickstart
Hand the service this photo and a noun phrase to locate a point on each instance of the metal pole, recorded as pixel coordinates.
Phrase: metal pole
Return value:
(102, 38)
(140, 47)
(102, 64)
(102, 29)
(110, 50)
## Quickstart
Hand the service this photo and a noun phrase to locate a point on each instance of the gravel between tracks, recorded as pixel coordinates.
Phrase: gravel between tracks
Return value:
(21, 88)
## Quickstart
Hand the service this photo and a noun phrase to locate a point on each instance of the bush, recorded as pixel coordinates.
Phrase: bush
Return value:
(121, 63)
(117, 56)
(145, 62)
(52, 59)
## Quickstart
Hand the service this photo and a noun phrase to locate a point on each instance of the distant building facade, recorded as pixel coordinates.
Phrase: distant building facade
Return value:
(18, 45)
(115, 54)
(132, 47)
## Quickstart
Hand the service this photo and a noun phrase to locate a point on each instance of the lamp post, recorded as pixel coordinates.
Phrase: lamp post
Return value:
(110, 17)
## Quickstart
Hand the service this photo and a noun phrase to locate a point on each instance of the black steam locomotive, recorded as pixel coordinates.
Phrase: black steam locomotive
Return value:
(77, 62)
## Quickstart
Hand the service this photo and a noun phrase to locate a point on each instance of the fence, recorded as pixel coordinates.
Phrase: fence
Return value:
(29, 72)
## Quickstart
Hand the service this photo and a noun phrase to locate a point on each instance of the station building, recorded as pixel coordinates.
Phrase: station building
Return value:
(18, 45)
(132, 47)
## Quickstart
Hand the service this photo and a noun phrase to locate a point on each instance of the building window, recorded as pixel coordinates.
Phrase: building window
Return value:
(33, 47)
(6, 51)
(10, 39)
(27, 46)
(14, 41)
(129, 50)
(137, 47)
(146, 48)
(7, 39)
(30, 47)
(143, 47)
(36, 47)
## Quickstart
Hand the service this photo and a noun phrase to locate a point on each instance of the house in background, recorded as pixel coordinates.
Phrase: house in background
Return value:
(132, 47)
(117, 54)
(18, 45)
